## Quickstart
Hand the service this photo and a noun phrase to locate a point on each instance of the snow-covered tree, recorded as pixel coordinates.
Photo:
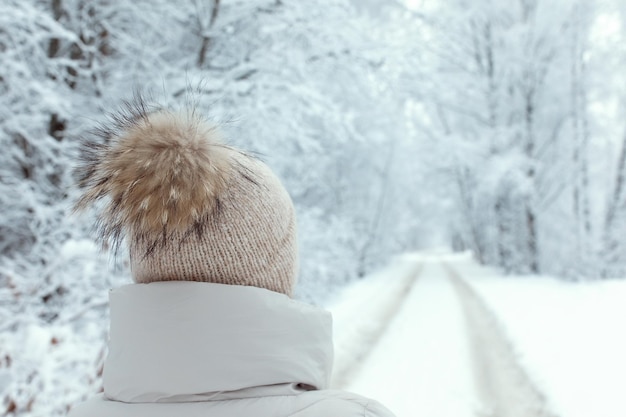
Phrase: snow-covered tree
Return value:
(509, 98)
(308, 89)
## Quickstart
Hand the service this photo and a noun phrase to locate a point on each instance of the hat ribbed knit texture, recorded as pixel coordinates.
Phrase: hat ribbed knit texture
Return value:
(251, 241)
(190, 208)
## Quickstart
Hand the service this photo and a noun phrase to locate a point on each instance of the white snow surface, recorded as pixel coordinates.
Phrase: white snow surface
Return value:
(570, 336)
(567, 336)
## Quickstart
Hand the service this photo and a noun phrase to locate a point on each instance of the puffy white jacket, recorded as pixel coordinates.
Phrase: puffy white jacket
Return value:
(188, 349)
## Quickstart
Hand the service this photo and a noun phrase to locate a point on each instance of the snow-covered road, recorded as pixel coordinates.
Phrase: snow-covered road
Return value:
(503, 386)
(438, 351)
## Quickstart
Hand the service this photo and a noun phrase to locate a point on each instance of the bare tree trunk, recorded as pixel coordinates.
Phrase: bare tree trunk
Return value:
(616, 208)
(468, 208)
(55, 43)
(531, 223)
(373, 230)
(204, 29)
(618, 189)
(504, 232)
(581, 140)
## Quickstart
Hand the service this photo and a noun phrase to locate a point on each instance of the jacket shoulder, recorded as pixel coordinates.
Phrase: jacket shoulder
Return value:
(343, 404)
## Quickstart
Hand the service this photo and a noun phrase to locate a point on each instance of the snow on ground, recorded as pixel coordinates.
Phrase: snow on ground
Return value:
(421, 365)
(570, 336)
(567, 336)
(360, 315)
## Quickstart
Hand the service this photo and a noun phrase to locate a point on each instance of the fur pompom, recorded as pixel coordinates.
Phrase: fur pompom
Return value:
(161, 174)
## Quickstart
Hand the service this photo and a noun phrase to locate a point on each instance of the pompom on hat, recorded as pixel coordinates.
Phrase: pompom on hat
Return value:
(190, 207)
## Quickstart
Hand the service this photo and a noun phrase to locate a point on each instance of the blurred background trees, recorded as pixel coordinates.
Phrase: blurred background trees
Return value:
(495, 127)
(510, 99)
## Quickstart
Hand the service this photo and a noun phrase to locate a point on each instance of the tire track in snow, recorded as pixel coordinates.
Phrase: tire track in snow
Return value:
(422, 366)
(370, 326)
(505, 388)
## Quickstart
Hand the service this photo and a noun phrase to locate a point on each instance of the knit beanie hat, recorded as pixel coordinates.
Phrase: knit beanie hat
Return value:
(189, 207)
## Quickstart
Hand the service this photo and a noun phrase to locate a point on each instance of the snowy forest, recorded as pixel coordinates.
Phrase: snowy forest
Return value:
(495, 127)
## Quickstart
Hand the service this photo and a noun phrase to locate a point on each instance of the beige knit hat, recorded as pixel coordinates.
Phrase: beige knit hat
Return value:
(190, 207)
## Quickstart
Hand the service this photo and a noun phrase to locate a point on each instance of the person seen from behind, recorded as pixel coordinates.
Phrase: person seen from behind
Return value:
(208, 328)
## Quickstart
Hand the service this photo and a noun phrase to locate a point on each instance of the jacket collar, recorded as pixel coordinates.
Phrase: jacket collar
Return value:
(189, 341)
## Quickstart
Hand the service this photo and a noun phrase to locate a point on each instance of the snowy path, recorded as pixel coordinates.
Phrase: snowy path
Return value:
(442, 353)
(361, 317)
(502, 384)
(421, 364)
